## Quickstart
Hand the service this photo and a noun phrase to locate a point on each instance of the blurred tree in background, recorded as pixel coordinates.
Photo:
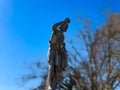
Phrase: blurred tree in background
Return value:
(94, 62)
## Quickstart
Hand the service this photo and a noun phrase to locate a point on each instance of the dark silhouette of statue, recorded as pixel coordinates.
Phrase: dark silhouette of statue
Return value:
(57, 54)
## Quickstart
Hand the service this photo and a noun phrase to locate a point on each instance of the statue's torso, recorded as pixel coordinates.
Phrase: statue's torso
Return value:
(57, 38)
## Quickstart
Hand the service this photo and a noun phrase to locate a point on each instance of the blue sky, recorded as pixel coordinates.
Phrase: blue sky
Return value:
(25, 28)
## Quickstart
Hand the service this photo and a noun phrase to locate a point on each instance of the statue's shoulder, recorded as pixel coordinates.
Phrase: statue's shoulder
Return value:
(56, 31)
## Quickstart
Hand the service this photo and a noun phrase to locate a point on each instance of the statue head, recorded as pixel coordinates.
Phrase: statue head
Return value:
(67, 20)
(64, 26)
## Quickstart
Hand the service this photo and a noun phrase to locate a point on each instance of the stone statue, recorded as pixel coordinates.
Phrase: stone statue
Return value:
(57, 54)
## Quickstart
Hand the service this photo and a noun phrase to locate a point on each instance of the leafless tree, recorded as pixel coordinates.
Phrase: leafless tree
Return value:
(94, 62)
(97, 65)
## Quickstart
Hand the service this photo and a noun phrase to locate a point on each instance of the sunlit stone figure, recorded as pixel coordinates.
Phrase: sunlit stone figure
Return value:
(57, 54)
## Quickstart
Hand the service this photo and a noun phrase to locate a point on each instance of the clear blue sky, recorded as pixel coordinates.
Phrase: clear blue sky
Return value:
(25, 28)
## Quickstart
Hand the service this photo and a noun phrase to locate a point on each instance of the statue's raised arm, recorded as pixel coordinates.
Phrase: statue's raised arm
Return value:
(63, 25)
